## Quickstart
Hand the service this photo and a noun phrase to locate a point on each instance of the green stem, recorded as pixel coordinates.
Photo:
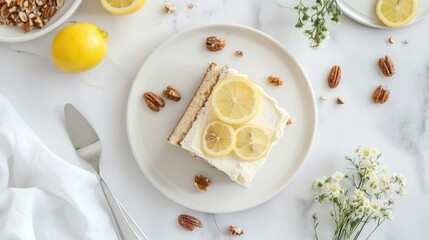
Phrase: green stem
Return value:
(378, 225)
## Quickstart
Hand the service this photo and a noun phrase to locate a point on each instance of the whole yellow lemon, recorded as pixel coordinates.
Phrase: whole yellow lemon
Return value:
(79, 47)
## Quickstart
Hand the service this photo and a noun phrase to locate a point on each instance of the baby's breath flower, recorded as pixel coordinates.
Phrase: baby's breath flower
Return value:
(402, 180)
(358, 194)
(402, 192)
(371, 197)
(388, 214)
(337, 176)
(318, 184)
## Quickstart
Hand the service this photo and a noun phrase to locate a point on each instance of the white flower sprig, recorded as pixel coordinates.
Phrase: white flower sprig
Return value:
(365, 195)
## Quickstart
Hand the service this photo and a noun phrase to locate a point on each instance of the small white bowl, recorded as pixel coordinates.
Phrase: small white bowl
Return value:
(15, 34)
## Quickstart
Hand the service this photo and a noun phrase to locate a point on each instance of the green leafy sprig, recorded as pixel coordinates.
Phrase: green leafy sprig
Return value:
(316, 15)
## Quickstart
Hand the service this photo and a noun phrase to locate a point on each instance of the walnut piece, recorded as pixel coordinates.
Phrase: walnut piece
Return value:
(234, 230)
(169, 8)
(153, 101)
(380, 95)
(340, 100)
(172, 94)
(202, 183)
(334, 77)
(189, 222)
(386, 66)
(239, 53)
(215, 44)
(275, 80)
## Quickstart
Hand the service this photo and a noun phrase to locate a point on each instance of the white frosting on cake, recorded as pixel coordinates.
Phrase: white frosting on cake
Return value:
(270, 115)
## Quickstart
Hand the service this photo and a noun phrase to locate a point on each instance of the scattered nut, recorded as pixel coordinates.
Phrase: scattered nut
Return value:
(189, 222)
(215, 44)
(239, 53)
(190, 5)
(172, 94)
(386, 66)
(202, 183)
(380, 95)
(275, 80)
(153, 101)
(406, 41)
(334, 77)
(234, 230)
(340, 100)
(289, 121)
(323, 98)
(391, 41)
(169, 8)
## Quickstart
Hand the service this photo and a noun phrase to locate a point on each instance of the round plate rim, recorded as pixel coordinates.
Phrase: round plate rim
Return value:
(307, 83)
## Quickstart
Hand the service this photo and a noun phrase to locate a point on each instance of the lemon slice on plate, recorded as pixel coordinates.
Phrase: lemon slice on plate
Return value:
(235, 100)
(122, 7)
(218, 139)
(396, 13)
(253, 142)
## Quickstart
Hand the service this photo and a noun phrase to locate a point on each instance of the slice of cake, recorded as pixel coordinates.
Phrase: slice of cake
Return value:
(238, 165)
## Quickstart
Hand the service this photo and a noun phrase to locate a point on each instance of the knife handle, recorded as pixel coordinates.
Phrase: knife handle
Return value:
(126, 227)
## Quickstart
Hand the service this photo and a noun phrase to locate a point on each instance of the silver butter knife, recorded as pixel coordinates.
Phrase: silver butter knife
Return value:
(87, 144)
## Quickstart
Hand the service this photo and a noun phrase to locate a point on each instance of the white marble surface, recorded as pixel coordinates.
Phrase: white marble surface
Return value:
(399, 128)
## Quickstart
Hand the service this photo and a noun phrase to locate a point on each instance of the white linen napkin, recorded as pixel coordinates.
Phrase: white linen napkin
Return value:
(41, 195)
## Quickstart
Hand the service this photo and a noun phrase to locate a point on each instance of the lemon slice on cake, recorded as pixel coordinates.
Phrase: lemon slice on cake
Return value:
(218, 139)
(235, 100)
(396, 13)
(252, 142)
(122, 7)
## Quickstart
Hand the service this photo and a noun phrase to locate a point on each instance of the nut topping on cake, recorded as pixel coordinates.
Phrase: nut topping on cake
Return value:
(234, 230)
(275, 80)
(189, 222)
(202, 183)
(153, 101)
(215, 44)
(334, 77)
(386, 66)
(172, 94)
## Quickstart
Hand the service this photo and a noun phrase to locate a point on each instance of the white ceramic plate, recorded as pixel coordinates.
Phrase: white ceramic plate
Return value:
(363, 11)
(181, 62)
(15, 34)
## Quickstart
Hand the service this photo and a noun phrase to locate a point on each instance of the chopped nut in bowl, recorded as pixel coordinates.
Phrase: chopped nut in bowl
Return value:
(24, 20)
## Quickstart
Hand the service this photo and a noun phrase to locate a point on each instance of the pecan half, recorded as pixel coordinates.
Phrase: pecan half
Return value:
(153, 101)
(189, 222)
(215, 44)
(172, 94)
(234, 230)
(202, 183)
(386, 66)
(275, 80)
(334, 77)
(380, 95)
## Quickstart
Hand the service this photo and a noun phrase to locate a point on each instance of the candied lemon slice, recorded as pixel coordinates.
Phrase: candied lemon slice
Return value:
(235, 100)
(218, 139)
(253, 142)
(396, 13)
